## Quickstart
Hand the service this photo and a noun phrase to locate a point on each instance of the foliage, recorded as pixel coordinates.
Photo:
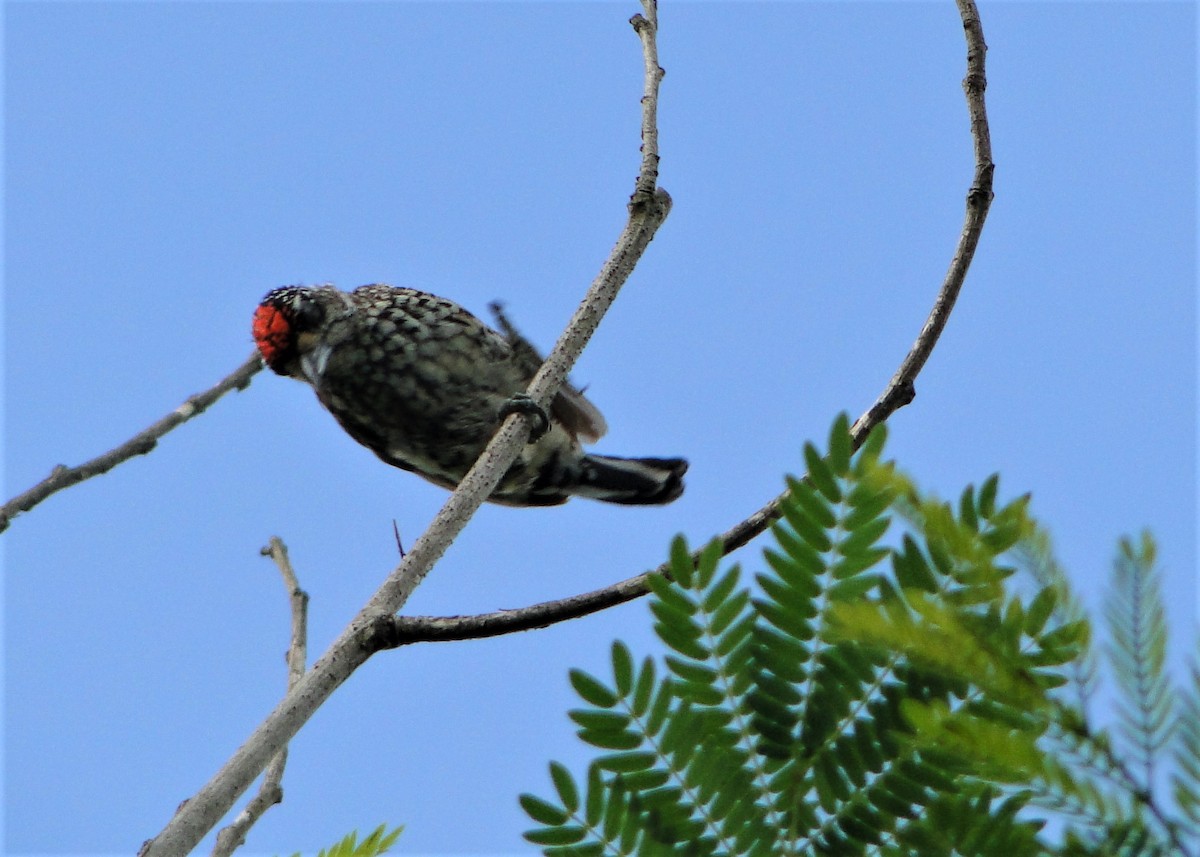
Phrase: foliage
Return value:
(376, 843)
(882, 691)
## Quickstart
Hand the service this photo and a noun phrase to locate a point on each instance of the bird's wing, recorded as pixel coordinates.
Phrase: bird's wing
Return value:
(570, 407)
(578, 415)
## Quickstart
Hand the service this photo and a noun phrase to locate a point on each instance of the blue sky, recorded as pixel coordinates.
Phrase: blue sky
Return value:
(168, 163)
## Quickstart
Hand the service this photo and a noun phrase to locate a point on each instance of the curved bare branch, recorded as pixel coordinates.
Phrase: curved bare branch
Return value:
(899, 391)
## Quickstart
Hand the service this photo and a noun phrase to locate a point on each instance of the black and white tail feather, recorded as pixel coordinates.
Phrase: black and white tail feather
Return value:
(631, 481)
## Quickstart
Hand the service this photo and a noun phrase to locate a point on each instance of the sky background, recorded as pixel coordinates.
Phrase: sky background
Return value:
(168, 163)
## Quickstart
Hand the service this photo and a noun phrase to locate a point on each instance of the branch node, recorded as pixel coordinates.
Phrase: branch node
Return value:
(980, 193)
(377, 633)
(650, 201)
(243, 379)
(146, 446)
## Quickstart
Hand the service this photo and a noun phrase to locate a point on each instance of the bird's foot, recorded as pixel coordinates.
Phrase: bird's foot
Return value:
(522, 404)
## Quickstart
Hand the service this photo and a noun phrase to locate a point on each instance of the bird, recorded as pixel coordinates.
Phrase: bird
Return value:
(424, 384)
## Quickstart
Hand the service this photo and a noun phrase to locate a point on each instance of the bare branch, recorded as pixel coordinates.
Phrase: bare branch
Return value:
(423, 629)
(64, 477)
(899, 392)
(297, 655)
(648, 208)
(647, 29)
(271, 791)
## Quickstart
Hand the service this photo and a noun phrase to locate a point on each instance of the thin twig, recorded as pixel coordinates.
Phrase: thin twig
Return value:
(648, 208)
(297, 656)
(64, 477)
(230, 838)
(899, 391)
(423, 629)
(399, 543)
(647, 29)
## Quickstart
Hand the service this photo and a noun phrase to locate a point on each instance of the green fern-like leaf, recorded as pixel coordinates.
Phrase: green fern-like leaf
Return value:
(1186, 780)
(883, 689)
(1138, 652)
(974, 821)
(378, 841)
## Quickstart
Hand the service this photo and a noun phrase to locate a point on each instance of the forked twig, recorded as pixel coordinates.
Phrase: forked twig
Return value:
(232, 837)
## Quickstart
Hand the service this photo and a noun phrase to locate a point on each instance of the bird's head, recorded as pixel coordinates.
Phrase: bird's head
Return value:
(285, 326)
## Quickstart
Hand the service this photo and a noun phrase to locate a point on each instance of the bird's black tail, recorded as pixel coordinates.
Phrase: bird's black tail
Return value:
(631, 481)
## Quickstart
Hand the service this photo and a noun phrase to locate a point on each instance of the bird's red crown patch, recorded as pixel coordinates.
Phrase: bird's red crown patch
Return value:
(272, 332)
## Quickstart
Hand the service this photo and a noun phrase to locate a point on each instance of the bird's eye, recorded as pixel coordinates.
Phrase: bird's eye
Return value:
(309, 314)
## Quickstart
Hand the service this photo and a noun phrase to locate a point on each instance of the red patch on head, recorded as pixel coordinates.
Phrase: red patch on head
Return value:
(272, 333)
